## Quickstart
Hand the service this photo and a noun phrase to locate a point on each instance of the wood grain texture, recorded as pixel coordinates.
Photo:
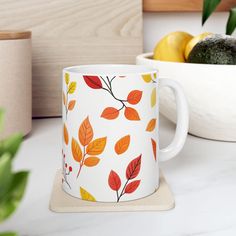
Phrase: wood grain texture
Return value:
(72, 32)
(182, 5)
(7, 35)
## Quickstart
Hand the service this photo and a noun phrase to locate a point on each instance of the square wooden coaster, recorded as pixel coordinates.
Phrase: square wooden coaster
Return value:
(161, 200)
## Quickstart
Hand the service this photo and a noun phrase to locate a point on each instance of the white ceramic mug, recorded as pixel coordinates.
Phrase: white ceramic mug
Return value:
(111, 131)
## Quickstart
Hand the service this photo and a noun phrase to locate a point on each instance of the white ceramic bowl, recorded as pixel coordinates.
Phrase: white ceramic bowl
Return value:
(210, 91)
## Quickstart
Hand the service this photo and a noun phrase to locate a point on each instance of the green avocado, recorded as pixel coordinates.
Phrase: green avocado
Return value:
(215, 49)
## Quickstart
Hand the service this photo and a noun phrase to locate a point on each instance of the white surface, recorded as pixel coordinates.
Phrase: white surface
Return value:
(156, 25)
(202, 178)
(210, 91)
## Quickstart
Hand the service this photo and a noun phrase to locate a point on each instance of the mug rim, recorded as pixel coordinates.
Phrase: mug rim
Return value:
(110, 69)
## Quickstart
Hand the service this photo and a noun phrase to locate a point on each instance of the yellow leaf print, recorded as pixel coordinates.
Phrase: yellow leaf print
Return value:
(155, 75)
(147, 78)
(153, 97)
(86, 195)
(67, 78)
(72, 87)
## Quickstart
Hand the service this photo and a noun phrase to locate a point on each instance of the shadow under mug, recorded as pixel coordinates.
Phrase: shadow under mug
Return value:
(111, 131)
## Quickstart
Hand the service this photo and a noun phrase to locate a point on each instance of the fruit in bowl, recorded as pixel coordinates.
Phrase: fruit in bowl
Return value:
(215, 49)
(209, 88)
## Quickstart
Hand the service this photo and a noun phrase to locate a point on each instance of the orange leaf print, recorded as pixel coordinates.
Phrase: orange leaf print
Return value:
(122, 144)
(85, 132)
(76, 150)
(91, 161)
(134, 97)
(97, 146)
(71, 105)
(64, 98)
(65, 134)
(131, 114)
(151, 125)
(154, 148)
(110, 113)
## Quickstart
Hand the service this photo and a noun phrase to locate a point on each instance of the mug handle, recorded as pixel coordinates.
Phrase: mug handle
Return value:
(182, 121)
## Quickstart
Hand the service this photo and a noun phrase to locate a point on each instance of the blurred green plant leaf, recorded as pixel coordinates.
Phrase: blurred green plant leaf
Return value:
(10, 201)
(11, 144)
(231, 23)
(8, 234)
(5, 174)
(208, 7)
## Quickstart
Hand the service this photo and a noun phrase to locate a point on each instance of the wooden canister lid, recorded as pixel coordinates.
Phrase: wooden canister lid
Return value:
(8, 35)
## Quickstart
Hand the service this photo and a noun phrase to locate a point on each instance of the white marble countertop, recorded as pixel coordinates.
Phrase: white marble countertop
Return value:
(202, 178)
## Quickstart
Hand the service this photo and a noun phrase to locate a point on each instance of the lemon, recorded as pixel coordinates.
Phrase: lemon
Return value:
(172, 47)
(193, 42)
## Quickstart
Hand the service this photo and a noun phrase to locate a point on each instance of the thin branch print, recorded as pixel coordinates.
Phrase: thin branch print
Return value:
(132, 172)
(110, 113)
(70, 89)
(66, 170)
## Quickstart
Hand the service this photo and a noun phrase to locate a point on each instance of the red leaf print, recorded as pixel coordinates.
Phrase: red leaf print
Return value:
(93, 81)
(132, 186)
(154, 148)
(131, 114)
(133, 168)
(110, 113)
(114, 181)
(134, 97)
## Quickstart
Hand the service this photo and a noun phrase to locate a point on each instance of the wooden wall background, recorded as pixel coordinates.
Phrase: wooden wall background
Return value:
(73, 32)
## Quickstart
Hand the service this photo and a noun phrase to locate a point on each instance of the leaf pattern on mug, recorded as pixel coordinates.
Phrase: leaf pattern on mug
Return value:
(148, 78)
(114, 181)
(87, 146)
(129, 187)
(67, 78)
(154, 148)
(133, 168)
(151, 78)
(70, 89)
(91, 161)
(76, 150)
(134, 97)
(71, 105)
(97, 146)
(85, 195)
(131, 114)
(151, 125)
(92, 81)
(132, 186)
(65, 134)
(85, 132)
(122, 145)
(111, 113)
(153, 97)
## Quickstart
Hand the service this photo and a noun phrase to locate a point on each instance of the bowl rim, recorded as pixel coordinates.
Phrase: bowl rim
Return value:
(147, 55)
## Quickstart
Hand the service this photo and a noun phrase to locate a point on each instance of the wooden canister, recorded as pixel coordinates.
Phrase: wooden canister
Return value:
(16, 81)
